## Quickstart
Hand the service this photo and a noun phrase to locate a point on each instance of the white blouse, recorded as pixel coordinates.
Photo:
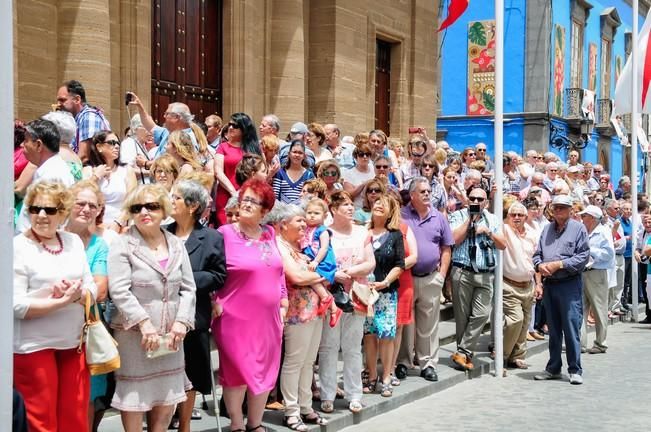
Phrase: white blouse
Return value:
(35, 271)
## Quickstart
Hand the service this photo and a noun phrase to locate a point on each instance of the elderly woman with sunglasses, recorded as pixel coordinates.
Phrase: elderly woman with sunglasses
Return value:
(356, 177)
(152, 285)
(51, 279)
(375, 188)
(249, 349)
(330, 173)
(114, 178)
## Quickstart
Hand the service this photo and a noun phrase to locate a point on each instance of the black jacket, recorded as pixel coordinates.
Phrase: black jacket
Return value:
(205, 247)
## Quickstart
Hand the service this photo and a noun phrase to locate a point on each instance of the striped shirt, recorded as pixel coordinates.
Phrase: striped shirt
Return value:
(89, 120)
(287, 190)
(461, 253)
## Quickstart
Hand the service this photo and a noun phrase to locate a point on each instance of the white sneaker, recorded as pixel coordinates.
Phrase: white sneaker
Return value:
(546, 375)
(576, 379)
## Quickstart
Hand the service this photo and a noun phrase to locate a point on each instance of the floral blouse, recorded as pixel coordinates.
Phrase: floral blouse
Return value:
(303, 301)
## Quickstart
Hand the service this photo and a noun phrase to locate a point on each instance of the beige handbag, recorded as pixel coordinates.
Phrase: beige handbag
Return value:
(364, 297)
(102, 354)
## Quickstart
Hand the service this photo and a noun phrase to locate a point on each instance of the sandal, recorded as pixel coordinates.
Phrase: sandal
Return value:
(517, 364)
(340, 393)
(327, 407)
(371, 386)
(386, 390)
(355, 406)
(314, 418)
(296, 425)
(251, 429)
(395, 382)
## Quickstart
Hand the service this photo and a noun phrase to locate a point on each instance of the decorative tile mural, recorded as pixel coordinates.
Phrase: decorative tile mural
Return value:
(559, 70)
(481, 68)
(592, 67)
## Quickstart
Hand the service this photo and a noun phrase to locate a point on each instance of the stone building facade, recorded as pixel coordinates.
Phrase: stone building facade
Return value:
(311, 60)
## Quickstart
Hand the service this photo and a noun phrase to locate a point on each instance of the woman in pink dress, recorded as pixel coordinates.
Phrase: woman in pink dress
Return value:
(242, 138)
(251, 308)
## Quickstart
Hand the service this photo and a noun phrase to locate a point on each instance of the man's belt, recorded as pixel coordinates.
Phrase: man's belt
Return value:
(526, 284)
(422, 275)
(469, 268)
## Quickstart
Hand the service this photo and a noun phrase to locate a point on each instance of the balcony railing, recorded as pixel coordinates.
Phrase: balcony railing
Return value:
(573, 99)
(604, 111)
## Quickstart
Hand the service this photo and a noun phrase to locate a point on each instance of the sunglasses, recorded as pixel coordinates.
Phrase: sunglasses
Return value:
(330, 173)
(363, 155)
(426, 165)
(112, 143)
(82, 204)
(471, 154)
(517, 215)
(481, 150)
(50, 211)
(150, 206)
(382, 166)
(234, 125)
(373, 190)
(418, 154)
(476, 199)
(538, 157)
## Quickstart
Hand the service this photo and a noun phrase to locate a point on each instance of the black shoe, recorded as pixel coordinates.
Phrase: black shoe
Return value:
(401, 372)
(429, 374)
(646, 320)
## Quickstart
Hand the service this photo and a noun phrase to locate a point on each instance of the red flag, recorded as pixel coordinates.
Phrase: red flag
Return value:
(455, 10)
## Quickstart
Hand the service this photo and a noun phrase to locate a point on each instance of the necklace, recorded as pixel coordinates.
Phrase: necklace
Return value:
(44, 246)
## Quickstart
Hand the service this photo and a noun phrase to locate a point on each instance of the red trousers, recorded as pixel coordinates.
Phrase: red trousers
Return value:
(55, 385)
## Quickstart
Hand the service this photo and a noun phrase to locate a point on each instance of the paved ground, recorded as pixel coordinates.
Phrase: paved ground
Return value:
(616, 396)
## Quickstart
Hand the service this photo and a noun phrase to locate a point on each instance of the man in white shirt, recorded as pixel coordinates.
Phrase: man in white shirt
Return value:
(342, 152)
(41, 147)
(611, 220)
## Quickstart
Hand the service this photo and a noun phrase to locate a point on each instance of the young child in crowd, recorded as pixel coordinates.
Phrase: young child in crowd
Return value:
(316, 245)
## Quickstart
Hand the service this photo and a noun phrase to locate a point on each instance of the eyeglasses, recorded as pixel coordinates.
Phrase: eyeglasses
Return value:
(112, 143)
(150, 207)
(426, 165)
(481, 150)
(170, 114)
(517, 215)
(418, 154)
(476, 199)
(373, 190)
(553, 170)
(330, 173)
(249, 200)
(79, 205)
(382, 166)
(50, 211)
(308, 190)
(234, 125)
(362, 155)
(471, 154)
(538, 157)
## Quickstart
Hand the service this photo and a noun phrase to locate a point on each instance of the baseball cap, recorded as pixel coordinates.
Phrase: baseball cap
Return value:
(298, 128)
(593, 211)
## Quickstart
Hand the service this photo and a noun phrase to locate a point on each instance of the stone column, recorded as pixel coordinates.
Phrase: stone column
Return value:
(84, 48)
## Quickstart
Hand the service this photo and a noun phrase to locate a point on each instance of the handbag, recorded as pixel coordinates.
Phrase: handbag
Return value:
(102, 354)
(342, 299)
(365, 297)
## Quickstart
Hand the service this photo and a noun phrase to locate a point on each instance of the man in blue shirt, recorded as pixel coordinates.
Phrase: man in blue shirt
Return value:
(562, 254)
(627, 225)
(595, 278)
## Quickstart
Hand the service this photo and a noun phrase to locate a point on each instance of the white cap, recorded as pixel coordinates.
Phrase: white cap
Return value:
(593, 211)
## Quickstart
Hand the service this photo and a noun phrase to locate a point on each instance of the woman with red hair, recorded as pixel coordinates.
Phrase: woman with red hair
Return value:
(250, 308)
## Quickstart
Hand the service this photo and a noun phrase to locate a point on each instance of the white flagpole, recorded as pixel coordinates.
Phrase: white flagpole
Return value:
(498, 333)
(6, 215)
(634, 181)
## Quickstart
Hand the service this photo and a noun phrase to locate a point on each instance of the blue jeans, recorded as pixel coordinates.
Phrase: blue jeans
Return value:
(563, 302)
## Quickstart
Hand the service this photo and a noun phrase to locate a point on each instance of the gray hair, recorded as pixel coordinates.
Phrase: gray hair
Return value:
(609, 202)
(65, 124)
(232, 202)
(273, 120)
(283, 212)
(135, 123)
(182, 110)
(474, 174)
(193, 193)
(416, 181)
(517, 206)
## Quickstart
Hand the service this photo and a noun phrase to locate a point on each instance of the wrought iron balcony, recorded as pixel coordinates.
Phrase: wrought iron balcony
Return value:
(604, 111)
(573, 100)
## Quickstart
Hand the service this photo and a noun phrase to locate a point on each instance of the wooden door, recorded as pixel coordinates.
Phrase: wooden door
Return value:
(382, 85)
(187, 56)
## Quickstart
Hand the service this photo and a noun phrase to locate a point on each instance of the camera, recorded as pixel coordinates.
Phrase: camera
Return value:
(474, 209)
(487, 247)
(128, 97)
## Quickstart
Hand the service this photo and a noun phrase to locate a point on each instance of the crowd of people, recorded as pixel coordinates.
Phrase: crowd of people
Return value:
(284, 252)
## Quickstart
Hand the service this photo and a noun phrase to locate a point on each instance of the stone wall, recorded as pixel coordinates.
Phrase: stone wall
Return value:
(304, 60)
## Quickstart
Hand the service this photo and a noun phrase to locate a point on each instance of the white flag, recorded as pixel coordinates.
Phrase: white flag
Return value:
(623, 103)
